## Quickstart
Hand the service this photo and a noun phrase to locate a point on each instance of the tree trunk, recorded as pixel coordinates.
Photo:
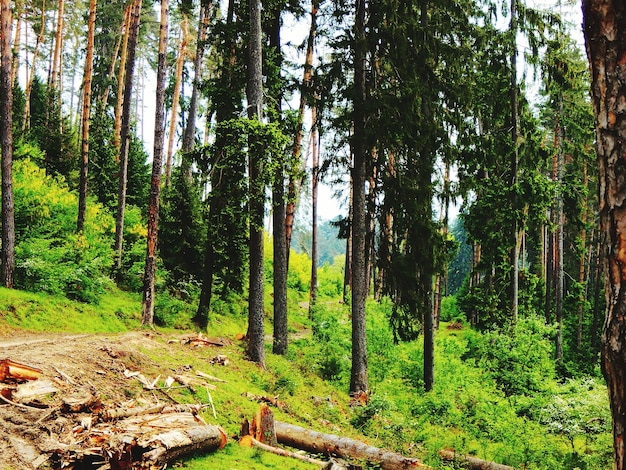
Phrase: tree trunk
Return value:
(583, 265)
(329, 444)
(180, 61)
(256, 349)
(189, 133)
(125, 133)
(31, 75)
(225, 111)
(295, 182)
(472, 463)
(121, 77)
(560, 281)
(275, 90)
(358, 377)
(86, 117)
(104, 97)
(514, 288)
(147, 307)
(604, 24)
(56, 60)
(6, 138)
(314, 187)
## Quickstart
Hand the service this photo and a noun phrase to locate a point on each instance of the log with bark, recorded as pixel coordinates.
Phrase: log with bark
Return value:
(470, 462)
(330, 444)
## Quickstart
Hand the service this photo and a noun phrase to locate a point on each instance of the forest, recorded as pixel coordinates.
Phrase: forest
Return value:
(174, 152)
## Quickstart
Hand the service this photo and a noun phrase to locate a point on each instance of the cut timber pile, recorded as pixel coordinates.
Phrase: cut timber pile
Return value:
(144, 441)
(62, 424)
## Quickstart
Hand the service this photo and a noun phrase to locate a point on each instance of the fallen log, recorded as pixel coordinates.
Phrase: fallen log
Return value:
(472, 463)
(330, 444)
(249, 441)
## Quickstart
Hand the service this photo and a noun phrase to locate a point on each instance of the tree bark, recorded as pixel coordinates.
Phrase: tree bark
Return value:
(256, 349)
(125, 133)
(358, 376)
(190, 128)
(180, 61)
(121, 77)
(31, 75)
(330, 444)
(472, 463)
(314, 191)
(604, 24)
(6, 138)
(86, 119)
(295, 181)
(147, 308)
(514, 288)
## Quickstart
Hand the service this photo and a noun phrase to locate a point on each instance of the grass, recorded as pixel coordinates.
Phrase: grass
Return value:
(562, 425)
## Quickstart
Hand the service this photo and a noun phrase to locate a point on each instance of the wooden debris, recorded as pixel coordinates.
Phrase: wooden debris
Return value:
(220, 360)
(82, 400)
(15, 372)
(472, 463)
(329, 444)
(119, 413)
(201, 341)
(209, 377)
(274, 401)
(249, 441)
(34, 389)
(143, 441)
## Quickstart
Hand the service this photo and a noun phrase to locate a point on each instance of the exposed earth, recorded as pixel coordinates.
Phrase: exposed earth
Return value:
(78, 366)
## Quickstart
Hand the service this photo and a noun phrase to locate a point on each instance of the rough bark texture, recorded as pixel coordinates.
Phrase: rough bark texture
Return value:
(125, 131)
(330, 444)
(295, 179)
(147, 314)
(514, 289)
(472, 463)
(358, 377)
(314, 191)
(84, 166)
(6, 136)
(604, 25)
(180, 61)
(256, 350)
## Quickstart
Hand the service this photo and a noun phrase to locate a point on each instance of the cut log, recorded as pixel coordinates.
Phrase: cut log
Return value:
(11, 371)
(472, 463)
(262, 428)
(119, 413)
(329, 444)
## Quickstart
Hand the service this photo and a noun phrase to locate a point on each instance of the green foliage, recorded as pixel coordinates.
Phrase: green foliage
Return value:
(182, 232)
(50, 257)
(520, 361)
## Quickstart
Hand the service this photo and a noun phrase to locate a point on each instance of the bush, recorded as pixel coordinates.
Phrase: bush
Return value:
(520, 361)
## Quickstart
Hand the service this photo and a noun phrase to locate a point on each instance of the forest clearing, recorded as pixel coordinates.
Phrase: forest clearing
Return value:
(395, 335)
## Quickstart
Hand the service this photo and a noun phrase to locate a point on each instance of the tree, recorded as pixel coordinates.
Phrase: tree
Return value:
(147, 315)
(125, 135)
(6, 138)
(86, 118)
(604, 24)
(358, 376)
(254, 93)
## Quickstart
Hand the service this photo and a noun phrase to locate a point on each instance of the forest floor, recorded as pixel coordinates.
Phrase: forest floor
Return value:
(76, 365)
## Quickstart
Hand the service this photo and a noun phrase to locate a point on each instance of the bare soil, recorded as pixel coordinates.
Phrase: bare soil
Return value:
(77, 365)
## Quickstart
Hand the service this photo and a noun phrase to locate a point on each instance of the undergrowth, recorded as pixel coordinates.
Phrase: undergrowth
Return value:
(496, 396)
